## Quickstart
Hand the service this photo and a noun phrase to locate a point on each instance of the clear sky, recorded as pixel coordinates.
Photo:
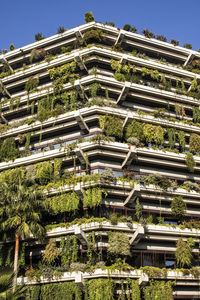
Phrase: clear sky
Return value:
(176, 19)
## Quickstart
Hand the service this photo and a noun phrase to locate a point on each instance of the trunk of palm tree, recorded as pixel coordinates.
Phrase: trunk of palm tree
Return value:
(16, 261)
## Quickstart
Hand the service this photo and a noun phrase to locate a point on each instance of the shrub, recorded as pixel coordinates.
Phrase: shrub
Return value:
(37, 54)
(187, 46)
(135, 130)
(38, 37)
(127, 27)
(89, 17)
(147, 33)
(134, 29)
(60, 29)
(161, 38)
(174, 42)
(107, 176)
(12, 47)
(178, 207)
(93, 35)
(120, 77)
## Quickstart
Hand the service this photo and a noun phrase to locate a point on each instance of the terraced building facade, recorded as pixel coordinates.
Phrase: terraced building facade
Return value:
(106, 123)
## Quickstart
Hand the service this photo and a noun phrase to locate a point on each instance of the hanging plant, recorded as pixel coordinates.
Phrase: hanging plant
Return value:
(112, 125)
(118, 244)
(60, 291)
(181, 139)
(51, 252)
(183, 252)
(135, 129)
(44, 172)
(190, 162)
(8, 150)
(100, 289)
(196, 114)
(159, 290)
(171, 132)
(178, 207)
(92, 197)
(69, 249)
(57, 167)
(68, 202)
(153, 134)
(194, 143)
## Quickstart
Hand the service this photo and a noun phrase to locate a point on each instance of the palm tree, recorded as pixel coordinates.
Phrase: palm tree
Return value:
(20, 213)
(6, 288)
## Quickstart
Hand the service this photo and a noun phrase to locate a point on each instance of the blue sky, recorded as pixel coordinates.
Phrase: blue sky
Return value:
(21, 20)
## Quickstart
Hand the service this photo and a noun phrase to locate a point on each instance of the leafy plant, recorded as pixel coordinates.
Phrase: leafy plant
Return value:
(12, 47)
(161, 38)
(153, 133)
(31, 84)
(68, 202)
(93, 35)
(135, 129)
(44, 172)
(138, 210)
(69, 249)
(100, 289)
(92, 197)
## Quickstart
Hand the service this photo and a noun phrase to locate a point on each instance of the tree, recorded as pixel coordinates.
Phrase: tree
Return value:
(20, 215)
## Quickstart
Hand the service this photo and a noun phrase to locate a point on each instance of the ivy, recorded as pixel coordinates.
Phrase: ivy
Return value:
(68, 202)
(69, 249)
(118, 244)
(112, 125)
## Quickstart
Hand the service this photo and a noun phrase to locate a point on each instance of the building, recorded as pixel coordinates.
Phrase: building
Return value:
(107, 123)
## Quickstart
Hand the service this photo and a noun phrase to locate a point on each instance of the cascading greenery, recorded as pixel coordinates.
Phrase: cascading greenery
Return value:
(178, 207)
(118, 244)
(135, 129)
(44, 172)
(99, 289)
(7, 255)
(112, 125)
(62, 75)
(8, 150)
(194, 143)
(190, 162)
(68, 202)
(171, 132)
(159, 290)
(183, 252)
(55, 291)
(153, 134)
(92, 197)
(68, 249)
